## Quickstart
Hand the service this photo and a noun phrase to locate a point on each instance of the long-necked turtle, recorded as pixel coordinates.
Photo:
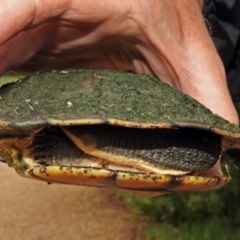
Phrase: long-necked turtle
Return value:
(110, 129)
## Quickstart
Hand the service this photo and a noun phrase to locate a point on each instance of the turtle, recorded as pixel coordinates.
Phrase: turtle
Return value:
(105, 128)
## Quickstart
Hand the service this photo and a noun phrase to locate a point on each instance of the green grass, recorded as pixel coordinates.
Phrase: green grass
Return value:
(211, 229)
(182, 216)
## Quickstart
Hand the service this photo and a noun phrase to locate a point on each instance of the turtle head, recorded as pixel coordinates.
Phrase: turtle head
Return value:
(11, 148)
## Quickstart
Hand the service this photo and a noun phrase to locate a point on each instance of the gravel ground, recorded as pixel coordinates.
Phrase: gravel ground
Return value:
(33, 210)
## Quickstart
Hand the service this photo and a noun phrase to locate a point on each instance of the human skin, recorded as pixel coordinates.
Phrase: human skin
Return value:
(166, 38)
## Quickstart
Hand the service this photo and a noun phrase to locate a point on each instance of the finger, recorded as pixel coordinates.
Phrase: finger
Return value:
(93, 21)
(24, 46)
(17, 16)
(72, 13)
(185, 57)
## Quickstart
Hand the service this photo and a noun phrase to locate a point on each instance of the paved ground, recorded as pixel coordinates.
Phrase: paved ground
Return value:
(32, 210)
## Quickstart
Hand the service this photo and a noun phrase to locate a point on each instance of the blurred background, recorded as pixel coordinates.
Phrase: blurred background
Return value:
(33, 210)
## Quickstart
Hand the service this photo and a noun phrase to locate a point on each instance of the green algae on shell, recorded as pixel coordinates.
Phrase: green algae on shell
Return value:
(101, 95)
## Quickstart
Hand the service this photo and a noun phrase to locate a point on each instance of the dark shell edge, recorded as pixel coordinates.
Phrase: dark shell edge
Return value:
(31, 126)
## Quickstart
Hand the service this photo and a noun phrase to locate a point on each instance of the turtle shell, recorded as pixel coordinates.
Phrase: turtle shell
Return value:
(106, 128)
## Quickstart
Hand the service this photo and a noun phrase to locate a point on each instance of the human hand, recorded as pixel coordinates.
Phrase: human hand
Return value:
(165, 38)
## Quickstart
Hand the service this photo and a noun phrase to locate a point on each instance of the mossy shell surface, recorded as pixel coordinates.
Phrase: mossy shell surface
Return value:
(102, 97)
